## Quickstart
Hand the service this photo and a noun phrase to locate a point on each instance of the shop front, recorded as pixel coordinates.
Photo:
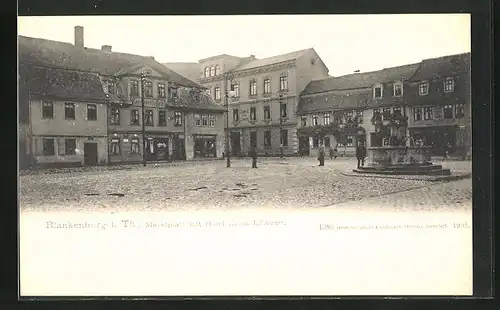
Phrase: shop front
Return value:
(205, 146)
(437, 137)
(157, 149)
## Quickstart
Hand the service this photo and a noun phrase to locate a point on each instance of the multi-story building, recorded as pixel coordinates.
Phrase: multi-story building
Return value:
(122, 82)
(433, 94)
(262, 111)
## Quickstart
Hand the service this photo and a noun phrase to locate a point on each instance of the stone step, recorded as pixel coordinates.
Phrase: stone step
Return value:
(433, 172)
(404, 167)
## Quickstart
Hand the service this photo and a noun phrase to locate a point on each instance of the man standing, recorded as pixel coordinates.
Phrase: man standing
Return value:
(360, 154)
(321, 155)
(253, 153)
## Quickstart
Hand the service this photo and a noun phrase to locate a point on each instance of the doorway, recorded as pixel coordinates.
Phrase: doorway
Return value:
(90, 157)
(303, 146)
(235, 143)
(178, 148)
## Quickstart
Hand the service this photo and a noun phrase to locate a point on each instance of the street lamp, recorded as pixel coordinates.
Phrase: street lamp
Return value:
(143, 129)
(281, 123)
(229, 78)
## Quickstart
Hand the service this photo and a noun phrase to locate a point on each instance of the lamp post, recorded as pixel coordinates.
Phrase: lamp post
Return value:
(281, 123)
(229, 78)
(143, 129)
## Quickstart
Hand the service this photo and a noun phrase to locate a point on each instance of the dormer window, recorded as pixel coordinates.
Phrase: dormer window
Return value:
(449, 85)
(212, 71)
(377, 91)
(217, 70)
(207, 72)
(111, 88)
(398, 89)
(423, 88)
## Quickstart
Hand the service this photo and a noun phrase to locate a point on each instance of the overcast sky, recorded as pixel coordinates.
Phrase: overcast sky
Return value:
(344, 42)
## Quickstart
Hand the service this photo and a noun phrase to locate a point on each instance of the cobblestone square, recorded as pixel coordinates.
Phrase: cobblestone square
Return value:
(287, 183)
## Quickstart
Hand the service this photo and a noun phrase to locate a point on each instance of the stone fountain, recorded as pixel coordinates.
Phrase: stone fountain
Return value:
(400, 154)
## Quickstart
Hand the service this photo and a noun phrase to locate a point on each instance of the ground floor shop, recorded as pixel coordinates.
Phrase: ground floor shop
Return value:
(268, 141)
(205, 146)
(344, 143)
(65, 151)
(455, 139)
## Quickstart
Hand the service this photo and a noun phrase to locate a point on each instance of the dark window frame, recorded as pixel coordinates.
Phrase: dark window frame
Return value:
(417, 114)
(448, 111)
(162, 118)
(253, 114)
(69, 150)
(428, 113)
(149, 118)
(236, 115)
(421, 87)
(134, 88)
(315, 120)
(267, 112)
(178, 121)
(326, 116)
(115, 146)
(135, 146)
(135, 117)
(114, 117)
(69, 107)
(148, 89)
(47, 109)
(284, 137)
(303, 120)
(91, 110)
(48, 149)
(459, 110)
(267, 139)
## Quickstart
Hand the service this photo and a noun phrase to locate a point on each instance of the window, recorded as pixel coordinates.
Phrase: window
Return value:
(70, 147)
(212, 71)
(115, 116)
(134, 88)
(148, 89)
(209, 92)
(375, 111)
(236, 90)
(283, 82)
(386, 112)
(253, 88)
(315, 142)
(161, 90)
(398, 89)
(449, 85)
(284, 138)
(326, 119)
(48, 147)
(303, 120)
(91, 112)
(396, 111)
(69, 111)
(417, 114)
(423, 88)
(253, 114)
(427, 113)
(448, 111)
(134, 117)
(197, 119)
(267, 86)
(135, 147)
(459, 110)
(315, 120)
(217, 70)
(359, 115)
(217, 93)
(173, 93)
(283, 111)
(236, 115)
(162, 118)
(377, 92)
(267, 113)
(111, 88)
(115, 146)
(253, 138)
(211, 120)
(349, 115)
(149, 118)
(267, 139)
(204, 120)
(327, 142)
(177, 119)
(207, 72)
(47, 109)
(349, 141)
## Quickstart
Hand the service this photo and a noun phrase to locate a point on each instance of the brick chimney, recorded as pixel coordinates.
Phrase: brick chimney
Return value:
(79, 36)
(106, 48)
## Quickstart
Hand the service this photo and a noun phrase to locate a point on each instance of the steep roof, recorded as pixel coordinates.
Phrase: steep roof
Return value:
(190, 70)
(43, 82)
(66, 55)
(362, 80)
(201, 102)
(272, 60)
(442, 67)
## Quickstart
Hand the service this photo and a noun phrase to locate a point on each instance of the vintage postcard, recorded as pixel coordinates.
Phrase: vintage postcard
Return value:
(245, 155)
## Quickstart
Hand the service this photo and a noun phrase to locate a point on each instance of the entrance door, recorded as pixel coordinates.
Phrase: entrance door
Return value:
(90, 154)
(304, 146)
(235, 143)
(178, 148)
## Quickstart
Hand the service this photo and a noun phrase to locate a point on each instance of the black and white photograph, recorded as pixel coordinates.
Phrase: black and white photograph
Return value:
(240, 155)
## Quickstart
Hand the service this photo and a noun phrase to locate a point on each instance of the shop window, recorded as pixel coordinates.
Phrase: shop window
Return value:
(135, 147)
(48, 147)
(115, 146)
(284, 138)
(47, 109)
(70, 146)
(349, 141)
(397, 111)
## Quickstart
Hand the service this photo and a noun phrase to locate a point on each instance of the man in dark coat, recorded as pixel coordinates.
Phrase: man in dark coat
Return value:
(361, 154)
(321, 156)
(253, 154)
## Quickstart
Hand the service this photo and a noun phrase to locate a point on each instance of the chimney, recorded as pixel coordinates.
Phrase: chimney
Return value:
(252, 56)
(106, 48)
(79, 36)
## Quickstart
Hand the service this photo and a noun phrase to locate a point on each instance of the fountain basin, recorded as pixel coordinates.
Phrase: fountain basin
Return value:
(401, 160)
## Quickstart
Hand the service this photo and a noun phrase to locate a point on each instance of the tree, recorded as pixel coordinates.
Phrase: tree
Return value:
(394, 128)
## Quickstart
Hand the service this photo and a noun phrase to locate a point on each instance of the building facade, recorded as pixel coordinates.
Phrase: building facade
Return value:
(433, 94)
(90, 103)
(262, 113)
